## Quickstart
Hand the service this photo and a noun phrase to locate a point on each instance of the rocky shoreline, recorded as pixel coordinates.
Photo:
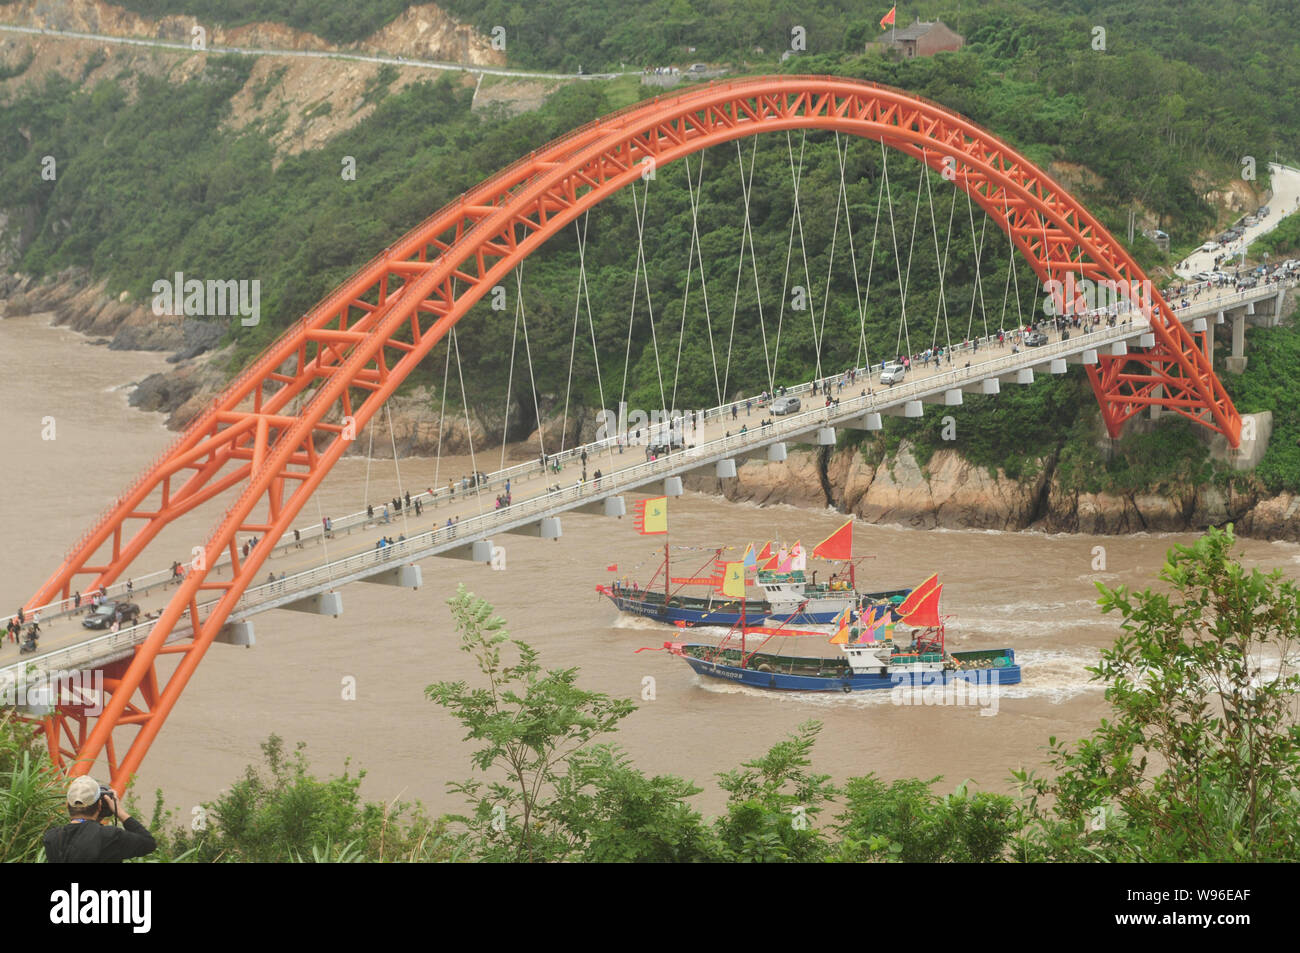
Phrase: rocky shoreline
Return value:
(948, 492)
(952, 493)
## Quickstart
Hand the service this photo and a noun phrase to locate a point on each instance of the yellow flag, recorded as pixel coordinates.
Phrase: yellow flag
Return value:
(733, 579)
(651, 516)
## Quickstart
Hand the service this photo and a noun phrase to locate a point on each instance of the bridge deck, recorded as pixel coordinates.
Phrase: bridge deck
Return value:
(67, 646)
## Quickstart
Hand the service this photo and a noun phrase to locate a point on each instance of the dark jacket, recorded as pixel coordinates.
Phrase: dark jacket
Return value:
(86, 842)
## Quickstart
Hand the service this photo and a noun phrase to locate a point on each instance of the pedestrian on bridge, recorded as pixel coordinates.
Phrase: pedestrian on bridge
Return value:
(76, 596)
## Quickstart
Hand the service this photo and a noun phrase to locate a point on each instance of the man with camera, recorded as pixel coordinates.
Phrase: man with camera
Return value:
(85, 840)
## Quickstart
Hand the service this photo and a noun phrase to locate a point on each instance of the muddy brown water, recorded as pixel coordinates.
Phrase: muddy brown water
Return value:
(1026, 590)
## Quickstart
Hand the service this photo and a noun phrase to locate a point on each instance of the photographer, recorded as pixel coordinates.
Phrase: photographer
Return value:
(85, 840)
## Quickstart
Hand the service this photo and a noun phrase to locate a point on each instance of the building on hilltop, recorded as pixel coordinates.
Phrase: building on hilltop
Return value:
(919, 39)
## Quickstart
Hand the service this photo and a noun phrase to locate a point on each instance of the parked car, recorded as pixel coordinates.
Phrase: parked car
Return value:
(126, 613)
(892, 374)
(785, 405)
(1250, 281)
(1035, 339)
(698, 68)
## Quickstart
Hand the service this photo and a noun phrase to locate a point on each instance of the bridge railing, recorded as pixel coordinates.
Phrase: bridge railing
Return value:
(470, 528)
(146, 582)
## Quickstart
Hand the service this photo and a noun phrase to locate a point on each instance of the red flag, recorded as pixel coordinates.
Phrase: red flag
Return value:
(914, 598)
(772, 563)
(612, 567)
(888, 18)
(926, 612)
(765, 552)
(838, 545)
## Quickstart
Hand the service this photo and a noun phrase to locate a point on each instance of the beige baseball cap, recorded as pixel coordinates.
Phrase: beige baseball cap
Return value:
(83, 792)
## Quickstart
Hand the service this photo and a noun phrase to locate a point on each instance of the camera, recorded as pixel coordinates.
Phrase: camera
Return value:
(107, 802)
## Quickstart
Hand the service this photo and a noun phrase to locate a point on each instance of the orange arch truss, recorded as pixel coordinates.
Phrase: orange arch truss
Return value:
(350, 353)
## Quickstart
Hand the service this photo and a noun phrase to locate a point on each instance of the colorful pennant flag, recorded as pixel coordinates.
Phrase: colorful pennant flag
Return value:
(841, 636)
(765, 552)
(733, 580)
(838, 545)
(612, 567)
(798, 558)
(650, 517)
(749, 560)
(888, 18)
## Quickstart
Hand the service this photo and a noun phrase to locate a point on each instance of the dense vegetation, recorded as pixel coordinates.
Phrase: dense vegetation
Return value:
(152, 181)
(1200, 762)
(338, 22)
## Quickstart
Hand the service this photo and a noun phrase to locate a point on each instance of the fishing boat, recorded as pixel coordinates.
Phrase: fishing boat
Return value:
(870, 658)
(789, 593)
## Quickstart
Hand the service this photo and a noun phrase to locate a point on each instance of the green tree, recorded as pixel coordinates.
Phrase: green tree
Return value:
(528, 724)
(774, 803)
(1201, 761)
(906, 821)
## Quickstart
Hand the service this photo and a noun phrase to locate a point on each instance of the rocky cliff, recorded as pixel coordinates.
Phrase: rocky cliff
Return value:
(951, 492)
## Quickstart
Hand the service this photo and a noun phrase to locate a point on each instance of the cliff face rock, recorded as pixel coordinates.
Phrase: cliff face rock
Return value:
(309, 100)
(950, 492)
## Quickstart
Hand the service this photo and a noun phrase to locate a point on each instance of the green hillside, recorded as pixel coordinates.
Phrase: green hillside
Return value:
(151, 182)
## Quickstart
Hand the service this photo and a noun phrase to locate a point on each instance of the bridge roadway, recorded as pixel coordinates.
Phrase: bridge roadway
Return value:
(306, 583)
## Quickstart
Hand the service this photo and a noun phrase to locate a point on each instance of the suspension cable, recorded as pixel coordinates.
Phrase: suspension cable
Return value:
(789, 249)
(746, 188)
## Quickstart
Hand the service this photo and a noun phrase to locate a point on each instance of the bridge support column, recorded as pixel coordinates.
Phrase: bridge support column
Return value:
(911, 409)
(408, 576)
(1237, 362)
(609, 506)
(323, 603)
(673, 486)
(1156, 409)
(237, 633)
(1057, 366)
(479, 551)
(990, 386)
(1202, 327)
(1023, 376)
(548, 527)
(724, 469)
(825, 436)
(776, 453)
(1086, 356)
(949, 398)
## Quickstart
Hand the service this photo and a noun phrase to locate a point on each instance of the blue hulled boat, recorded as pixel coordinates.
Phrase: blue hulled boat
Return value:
(875, 669)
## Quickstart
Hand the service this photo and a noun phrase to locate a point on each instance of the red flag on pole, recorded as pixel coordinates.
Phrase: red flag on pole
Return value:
(916, 595)
(888, 18)
(612, 567)
(838, 545)
(926, 612)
